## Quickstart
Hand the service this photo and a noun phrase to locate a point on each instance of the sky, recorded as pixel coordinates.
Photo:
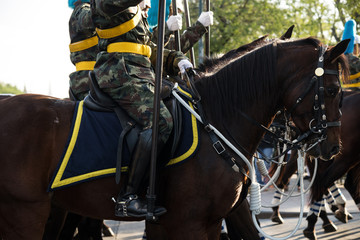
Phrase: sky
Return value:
(34, 46)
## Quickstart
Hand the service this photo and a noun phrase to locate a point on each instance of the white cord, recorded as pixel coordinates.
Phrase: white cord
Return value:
(255, 205)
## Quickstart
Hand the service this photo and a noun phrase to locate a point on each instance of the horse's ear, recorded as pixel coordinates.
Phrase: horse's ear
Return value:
(339, 49)
(260, 40)
(288, 33)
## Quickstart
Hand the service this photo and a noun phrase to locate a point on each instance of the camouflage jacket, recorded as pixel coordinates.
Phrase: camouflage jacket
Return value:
(111, 13)
(81, 28)
(187, 39)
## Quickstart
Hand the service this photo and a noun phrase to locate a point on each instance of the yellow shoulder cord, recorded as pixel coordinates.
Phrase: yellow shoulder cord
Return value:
(84, 44)
(120, 29)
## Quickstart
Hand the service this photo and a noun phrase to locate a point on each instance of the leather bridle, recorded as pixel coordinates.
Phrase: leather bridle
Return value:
(319, 124)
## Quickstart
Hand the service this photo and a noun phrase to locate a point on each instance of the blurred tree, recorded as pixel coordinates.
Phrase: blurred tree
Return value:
(7, 88)
(237, 22)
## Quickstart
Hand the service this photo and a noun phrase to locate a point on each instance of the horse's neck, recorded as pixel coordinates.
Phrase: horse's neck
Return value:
(242, 131)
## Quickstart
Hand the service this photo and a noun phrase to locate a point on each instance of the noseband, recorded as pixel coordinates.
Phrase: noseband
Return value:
(319, 124)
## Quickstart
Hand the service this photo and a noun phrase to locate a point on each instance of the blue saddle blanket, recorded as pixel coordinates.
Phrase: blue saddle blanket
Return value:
(91, 149)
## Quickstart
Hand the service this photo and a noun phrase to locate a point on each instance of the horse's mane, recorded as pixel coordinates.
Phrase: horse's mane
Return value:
(212, 64)
(250, 78)
(234, 83)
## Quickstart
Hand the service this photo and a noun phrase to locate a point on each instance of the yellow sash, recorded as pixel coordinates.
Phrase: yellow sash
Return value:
(130, 47)
(85, 65)
(82, 45)
(120, 29)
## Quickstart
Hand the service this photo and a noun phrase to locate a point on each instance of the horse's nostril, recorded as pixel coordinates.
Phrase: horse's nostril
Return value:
(335, 150)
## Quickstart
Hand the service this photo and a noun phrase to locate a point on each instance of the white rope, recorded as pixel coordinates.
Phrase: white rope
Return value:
(256, 206)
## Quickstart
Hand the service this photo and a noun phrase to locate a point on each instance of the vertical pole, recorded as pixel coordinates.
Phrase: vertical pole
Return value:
(177, 32)
(201, 42)
(207, 35)
(151, 197)
(188, 24)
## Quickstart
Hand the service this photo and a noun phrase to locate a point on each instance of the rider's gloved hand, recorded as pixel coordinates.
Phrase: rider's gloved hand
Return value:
(206, 18)
(174, 23)
(184, 64)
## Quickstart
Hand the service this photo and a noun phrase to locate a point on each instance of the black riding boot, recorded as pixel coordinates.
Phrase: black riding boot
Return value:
(130, 205)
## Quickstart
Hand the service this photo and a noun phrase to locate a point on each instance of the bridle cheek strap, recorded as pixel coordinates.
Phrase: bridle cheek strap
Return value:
(319, 124)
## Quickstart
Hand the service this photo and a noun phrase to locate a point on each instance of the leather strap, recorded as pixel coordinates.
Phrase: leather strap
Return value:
(125, 131)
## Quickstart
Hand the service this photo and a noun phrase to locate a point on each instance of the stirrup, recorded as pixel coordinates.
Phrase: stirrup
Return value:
(121, 206)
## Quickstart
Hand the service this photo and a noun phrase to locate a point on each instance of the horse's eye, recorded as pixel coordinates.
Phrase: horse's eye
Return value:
(332, 91)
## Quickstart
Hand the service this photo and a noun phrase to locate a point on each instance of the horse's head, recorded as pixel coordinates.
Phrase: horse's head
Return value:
(313, 93)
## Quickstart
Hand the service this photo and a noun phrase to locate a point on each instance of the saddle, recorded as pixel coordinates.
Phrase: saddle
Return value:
(97, 100)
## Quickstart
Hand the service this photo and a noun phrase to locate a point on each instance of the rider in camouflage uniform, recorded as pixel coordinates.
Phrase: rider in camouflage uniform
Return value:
(123, 70)
(354, 61)
(190, 36)
(83, 49)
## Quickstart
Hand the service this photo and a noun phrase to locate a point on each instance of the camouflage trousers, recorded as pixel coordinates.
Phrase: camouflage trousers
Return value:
(128, 79)
(79, 84)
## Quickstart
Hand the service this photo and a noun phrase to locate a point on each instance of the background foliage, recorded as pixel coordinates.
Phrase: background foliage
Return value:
(237, 22)
(7, 88)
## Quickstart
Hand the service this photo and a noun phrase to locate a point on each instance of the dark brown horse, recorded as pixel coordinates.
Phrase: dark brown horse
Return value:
(347, 162)
(198, 193)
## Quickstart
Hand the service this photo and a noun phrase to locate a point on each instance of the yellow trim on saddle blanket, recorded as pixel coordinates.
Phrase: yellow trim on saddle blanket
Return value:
(195, 135)
(61, 178)
(84, 44)
(57, 181)
(120, 29)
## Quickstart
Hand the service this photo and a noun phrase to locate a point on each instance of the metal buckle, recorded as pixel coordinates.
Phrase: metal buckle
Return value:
(208, 128)
(219, 148)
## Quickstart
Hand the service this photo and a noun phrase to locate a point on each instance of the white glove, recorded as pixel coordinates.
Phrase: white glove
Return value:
(206, 18)
(184, 64)
(174, 23)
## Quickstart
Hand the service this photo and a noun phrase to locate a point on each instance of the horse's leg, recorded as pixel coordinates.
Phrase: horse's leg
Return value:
(23, 220)
(290, 169)
(239, 223)
(341, 213)
(90, 228)
(71, 223)
(328, 225)
(352, 184)
(106, 230)
(155, 231)
(55, 223)
(214, 230)
(312, 217)
(224, 234)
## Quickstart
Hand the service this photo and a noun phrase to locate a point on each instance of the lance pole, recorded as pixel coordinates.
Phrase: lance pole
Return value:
(151, 197)
(207, 34)
(188, 24)
(177, 32)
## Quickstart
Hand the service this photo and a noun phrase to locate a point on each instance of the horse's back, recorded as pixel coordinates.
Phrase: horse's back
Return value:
(34, 129)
